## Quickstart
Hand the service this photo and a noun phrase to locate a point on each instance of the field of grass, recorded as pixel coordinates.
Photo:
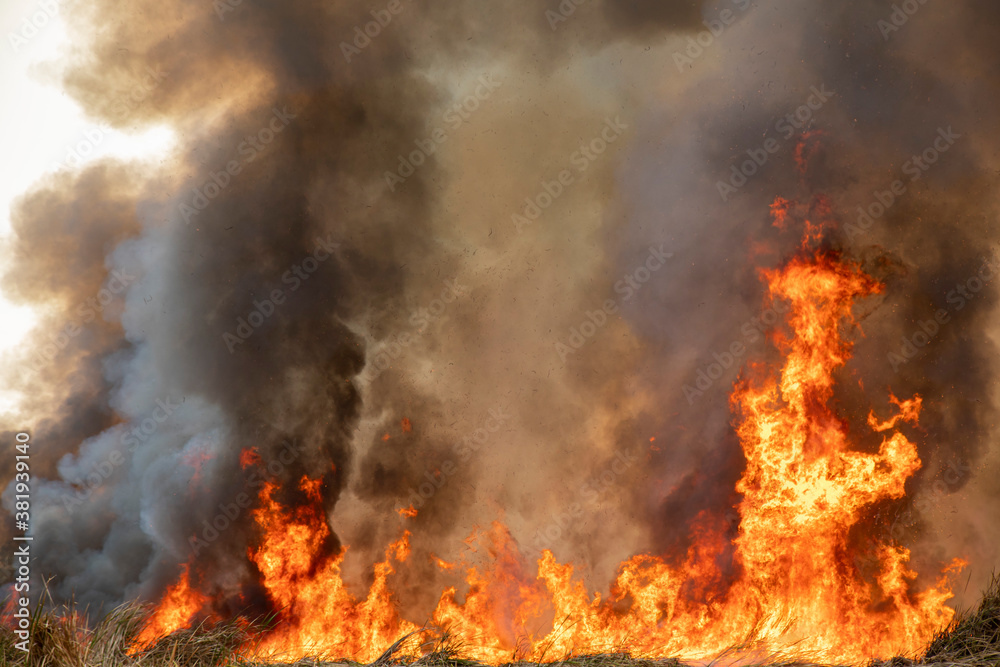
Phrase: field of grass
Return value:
(973, 640)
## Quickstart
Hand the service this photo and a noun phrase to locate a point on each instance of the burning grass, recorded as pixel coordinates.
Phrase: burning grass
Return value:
(60, 638)
(805, 488)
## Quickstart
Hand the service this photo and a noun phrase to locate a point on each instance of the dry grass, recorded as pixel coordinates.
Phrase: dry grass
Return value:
(63, 640)
(974, 639)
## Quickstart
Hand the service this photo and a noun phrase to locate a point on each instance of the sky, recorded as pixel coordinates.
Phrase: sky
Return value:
(42, 126)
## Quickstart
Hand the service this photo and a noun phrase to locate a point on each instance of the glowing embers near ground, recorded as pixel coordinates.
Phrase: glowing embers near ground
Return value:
(795, 579)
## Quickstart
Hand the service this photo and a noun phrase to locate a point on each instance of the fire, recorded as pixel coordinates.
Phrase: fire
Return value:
(442, 564)
(501, 604)
(249, 457)
(303, 581)
(780, 209)
(178, 607)
(793, 578)
(804, 487)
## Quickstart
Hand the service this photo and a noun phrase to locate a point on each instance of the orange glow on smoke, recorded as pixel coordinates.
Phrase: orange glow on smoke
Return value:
(249, 457)
(795, 580)
(196, 460)
(442, 564)
(805, 149)
(780, 208)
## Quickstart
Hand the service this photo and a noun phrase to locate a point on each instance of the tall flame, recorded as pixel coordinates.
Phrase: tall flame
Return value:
(794, 578)
(804, 488)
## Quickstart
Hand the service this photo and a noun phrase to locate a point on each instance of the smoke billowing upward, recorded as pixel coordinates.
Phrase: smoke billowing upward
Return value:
(336, 273)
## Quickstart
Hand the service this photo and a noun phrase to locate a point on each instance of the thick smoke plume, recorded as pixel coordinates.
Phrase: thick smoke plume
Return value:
(395, 286)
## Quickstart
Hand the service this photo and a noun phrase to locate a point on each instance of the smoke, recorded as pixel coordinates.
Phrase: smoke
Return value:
(326, 271)
(898, 94)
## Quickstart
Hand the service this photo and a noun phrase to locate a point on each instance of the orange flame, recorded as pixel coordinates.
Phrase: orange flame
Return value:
(795, 582)
(804, 487)
(249, 457)
(442, 564)
(175, 610)
(320, 616)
